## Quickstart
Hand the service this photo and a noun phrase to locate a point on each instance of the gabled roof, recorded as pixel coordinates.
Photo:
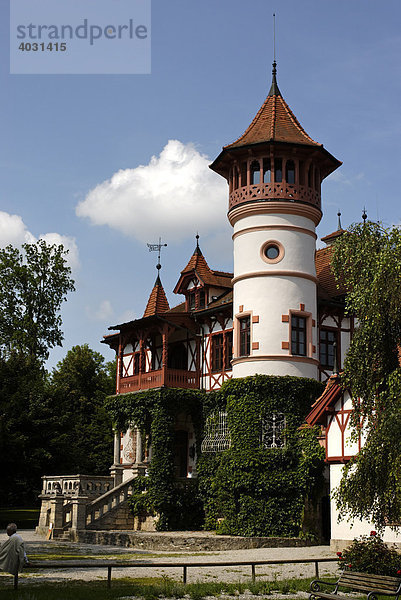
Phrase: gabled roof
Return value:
(329, 239)
(274, 121)
(327, 286)
(198, 267)
(157, 302)
(333, 391)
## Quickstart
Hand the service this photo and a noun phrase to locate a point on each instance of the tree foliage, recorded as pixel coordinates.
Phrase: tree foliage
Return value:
(367, 259)
(34, 283)
(83, 437)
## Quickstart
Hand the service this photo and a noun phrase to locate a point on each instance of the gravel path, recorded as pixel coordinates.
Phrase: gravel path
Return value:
(36, 545)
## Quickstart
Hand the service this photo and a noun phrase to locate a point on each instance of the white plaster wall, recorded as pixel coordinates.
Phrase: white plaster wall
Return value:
(273, 219)
(270, 298)
(345, 342)
(126, 362)
(299, 252)
(343, 530)
(274, 367)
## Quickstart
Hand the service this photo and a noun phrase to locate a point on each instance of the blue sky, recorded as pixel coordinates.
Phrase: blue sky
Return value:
(64, 137)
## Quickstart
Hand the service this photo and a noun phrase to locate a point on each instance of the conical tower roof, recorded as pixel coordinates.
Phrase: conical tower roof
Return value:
(274, 121)
(157, 302)
(198, 263)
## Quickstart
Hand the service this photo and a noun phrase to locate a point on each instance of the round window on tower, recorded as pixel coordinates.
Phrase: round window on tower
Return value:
(272, 251)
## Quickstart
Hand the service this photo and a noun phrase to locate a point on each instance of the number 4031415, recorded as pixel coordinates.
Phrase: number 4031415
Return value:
(42, 47)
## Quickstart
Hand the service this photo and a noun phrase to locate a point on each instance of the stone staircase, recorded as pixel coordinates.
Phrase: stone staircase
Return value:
(111, 510)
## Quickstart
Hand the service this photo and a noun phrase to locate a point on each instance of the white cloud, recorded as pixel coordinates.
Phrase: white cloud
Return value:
(175, 195)
(102, 313)
(14, 231)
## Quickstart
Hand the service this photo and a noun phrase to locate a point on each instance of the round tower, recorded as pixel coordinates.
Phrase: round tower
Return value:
(274, 171)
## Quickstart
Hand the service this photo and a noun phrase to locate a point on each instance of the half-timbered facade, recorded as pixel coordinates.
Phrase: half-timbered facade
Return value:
(332, 411)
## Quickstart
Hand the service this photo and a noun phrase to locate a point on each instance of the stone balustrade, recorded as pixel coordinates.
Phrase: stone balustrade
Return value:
(76, 485)
(101, 506)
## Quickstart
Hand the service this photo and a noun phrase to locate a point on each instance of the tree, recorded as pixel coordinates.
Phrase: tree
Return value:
(34, 283)
(83, 438)
(26, 423)
(367, 259)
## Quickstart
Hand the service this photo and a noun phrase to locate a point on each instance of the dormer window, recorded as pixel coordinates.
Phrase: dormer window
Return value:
(192, 300)
(202, 299)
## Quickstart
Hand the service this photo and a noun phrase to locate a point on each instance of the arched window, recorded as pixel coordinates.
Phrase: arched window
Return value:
(290, 171)
(255, 172)
(266, 170)
(244, 175)
(316, 179)
(278, 170)
(236, 178)
(301, 174)
(310, 180)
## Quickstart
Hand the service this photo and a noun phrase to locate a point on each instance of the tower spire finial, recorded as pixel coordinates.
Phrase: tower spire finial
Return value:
(339, 220)
(274, 37)
(274, 91)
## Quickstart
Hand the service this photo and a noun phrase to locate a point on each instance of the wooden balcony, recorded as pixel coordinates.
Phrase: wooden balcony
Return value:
(177, 378)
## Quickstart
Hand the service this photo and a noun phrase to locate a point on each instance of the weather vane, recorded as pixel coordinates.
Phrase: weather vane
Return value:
(157, 248)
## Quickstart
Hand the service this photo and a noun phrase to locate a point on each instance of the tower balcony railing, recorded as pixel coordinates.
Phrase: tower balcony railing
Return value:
(282, 191)
(178, 378)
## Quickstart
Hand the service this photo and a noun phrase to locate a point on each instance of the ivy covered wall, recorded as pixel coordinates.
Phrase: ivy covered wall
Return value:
(248, 489)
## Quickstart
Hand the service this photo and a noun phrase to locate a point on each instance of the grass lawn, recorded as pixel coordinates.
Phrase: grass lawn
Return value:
(25, 518)
(147, 588)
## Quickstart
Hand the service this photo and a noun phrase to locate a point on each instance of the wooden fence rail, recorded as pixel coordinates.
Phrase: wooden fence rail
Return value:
(109, 565)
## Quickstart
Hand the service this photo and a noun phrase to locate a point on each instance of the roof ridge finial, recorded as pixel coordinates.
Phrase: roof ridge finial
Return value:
(197, 249)
(364, 215)
(339, 220)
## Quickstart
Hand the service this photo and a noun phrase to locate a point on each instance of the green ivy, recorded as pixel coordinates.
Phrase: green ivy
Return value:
(155, 413)
(246, 490)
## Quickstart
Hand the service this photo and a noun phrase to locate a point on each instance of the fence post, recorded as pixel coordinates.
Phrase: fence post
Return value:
(316, 569)
(253, 573)
(184, 574)
(109, 577)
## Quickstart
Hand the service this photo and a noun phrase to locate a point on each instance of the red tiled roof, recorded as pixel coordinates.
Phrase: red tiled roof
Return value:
(331, 394)
(198, 266)
(157, 302)
(333, 236)
(325, 276)
(274, 122)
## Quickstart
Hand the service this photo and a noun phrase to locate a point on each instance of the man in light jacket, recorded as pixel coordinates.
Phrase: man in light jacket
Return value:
(12, 552)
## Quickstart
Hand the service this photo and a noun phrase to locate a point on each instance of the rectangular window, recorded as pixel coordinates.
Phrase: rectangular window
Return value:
(217, 352)
(298, 335)
(191, 300)
(229, 350)
(244, 336)
(326, 343)
(202, 299)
